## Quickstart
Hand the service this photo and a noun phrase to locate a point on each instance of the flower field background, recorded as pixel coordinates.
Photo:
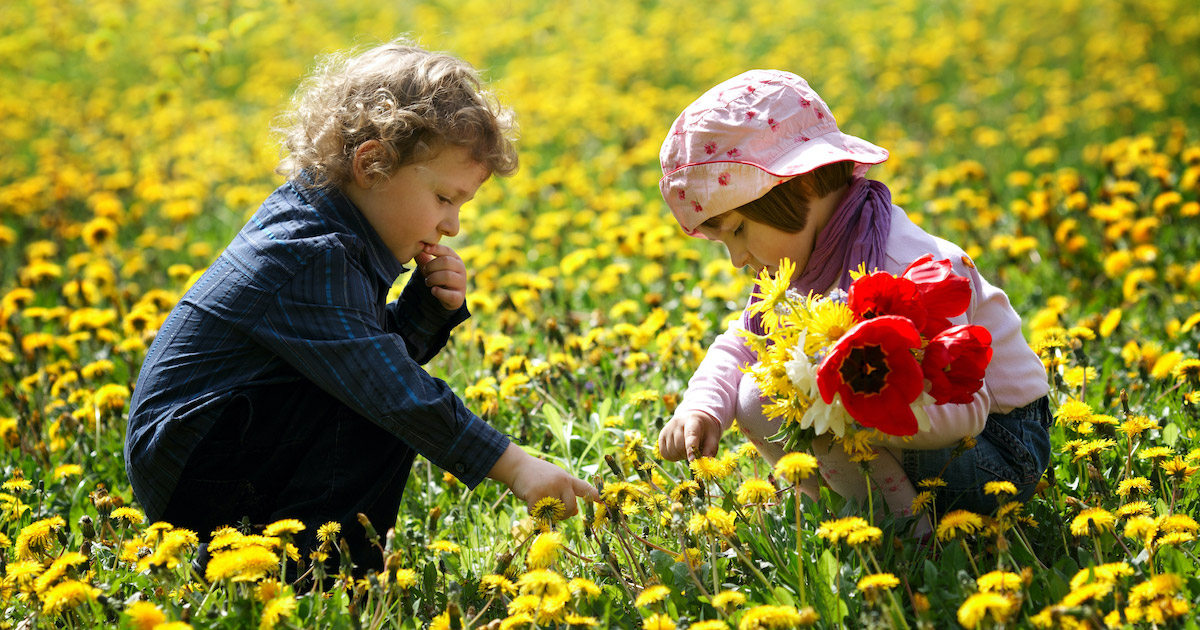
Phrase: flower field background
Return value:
(1057, 142)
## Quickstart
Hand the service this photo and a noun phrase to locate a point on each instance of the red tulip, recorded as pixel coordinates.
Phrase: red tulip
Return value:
(873, 368)
(944, 293)
(955, 361)
(881, 293)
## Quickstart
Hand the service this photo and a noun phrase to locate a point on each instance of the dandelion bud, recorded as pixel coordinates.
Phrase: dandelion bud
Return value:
(616, 467)
(1124, 402)
(604, 549)
(920, 603)
(502, 562)
(86, 548)
(455, 616)
(347, 565)
(389, 540)
(86, 527)
(366, 523)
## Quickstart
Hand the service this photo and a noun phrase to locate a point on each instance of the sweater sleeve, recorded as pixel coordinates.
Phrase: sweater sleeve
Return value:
(713, 389)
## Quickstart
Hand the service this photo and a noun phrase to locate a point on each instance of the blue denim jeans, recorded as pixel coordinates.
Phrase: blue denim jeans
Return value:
(1014, 446)
(294, 451)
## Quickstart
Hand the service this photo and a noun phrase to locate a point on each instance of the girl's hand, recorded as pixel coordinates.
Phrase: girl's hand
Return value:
(532, 479)
(692, 434)
(445, 275)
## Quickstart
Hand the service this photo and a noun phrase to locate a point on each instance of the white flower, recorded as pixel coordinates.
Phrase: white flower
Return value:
(801, 371)
(822, 416)
(918, 409)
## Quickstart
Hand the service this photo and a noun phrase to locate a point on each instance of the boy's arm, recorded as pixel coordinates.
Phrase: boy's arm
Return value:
(325, 325)
(421, 319)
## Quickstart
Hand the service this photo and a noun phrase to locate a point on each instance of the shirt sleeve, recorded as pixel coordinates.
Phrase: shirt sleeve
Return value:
(325, 322)
(713, 388)
(421, 320)
(948, 424)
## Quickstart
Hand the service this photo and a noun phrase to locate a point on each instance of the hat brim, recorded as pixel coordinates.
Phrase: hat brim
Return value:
(749, 181)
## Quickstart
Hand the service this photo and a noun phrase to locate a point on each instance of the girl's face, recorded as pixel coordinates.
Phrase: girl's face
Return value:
(758, 245)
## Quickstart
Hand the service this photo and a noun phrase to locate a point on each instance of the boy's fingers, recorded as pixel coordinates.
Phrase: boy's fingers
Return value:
(439, 250)
(585, 489)
(568, 499)
(422, 259)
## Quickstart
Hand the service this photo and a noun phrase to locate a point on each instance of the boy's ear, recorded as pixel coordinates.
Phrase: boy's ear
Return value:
(365, 157)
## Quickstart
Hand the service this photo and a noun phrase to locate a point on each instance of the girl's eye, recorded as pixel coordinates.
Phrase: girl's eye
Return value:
(738, 230)
(445, 200)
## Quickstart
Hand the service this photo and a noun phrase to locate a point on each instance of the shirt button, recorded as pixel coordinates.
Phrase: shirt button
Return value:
(459, 467)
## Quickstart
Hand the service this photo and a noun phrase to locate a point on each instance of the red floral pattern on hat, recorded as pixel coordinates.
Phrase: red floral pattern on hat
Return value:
(723, 179)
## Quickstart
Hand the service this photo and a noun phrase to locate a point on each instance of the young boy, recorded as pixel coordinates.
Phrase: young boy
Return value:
(283, 385)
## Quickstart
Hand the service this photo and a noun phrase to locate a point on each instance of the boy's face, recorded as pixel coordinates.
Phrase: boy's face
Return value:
(419, 203)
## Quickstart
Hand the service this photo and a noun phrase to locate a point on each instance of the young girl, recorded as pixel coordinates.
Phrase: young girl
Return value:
(758, 163)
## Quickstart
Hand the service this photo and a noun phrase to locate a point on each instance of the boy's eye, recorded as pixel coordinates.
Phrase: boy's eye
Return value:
(445, 200)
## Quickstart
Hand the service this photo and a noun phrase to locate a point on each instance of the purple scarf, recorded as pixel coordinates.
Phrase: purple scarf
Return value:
(856, 233)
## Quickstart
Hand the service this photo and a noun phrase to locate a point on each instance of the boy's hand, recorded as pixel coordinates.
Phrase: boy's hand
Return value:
(692, 434)
(532, 479)
(445, 275)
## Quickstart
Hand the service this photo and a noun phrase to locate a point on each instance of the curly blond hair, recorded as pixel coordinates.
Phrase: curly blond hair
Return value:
(412, 101)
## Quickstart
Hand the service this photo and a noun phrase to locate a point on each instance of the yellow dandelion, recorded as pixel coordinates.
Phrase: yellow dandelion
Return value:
(249, 564)
(869, 535)
(547, 510)
(958, 522)
(329, 531)
(545, 550)
(1141, 528)
(144, 616)
(714, 519)
(878, 582)
(1084, 593)
(686, 489)
(658, 621)
(796, 466)
(277, 610)
(67, 595)
(1073, 412)
(1161, 585)
(1000, 488)
(728, 600)
(285, 526)
(652, 595)
(755, 491)
(1137, 486)
(443, 546)
(132, 516)
(1155, 452)
(980, 606)
(1107, 572)
(1092, 520)
(709, 468)
(1135, 508)
(711, 624)
(1004, 581)
(584, 587)
(36, 537)
(839, 529)
(932, 483)
(922, 502)
(770, 618)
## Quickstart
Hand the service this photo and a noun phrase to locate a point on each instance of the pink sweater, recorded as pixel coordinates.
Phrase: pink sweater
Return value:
(1014, 378)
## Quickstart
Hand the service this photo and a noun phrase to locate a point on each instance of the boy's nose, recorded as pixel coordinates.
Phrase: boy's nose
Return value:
(449, 225)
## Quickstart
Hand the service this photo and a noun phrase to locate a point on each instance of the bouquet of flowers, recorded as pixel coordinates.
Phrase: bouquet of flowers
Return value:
(872, 357)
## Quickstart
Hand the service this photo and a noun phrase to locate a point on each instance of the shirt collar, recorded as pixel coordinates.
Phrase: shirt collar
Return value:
(331, 202)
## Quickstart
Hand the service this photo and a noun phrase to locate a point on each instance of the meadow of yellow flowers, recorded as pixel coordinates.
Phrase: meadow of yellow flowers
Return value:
(1057, 142)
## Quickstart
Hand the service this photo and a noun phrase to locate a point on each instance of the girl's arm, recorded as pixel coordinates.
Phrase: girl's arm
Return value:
(713, 389)
(949, 423)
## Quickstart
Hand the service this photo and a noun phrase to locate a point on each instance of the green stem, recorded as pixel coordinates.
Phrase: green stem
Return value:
(803, 588)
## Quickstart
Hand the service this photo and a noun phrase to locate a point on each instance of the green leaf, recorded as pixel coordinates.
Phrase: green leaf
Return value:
(1170, 435)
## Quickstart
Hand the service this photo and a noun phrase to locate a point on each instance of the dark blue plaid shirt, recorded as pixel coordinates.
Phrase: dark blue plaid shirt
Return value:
(300, 295)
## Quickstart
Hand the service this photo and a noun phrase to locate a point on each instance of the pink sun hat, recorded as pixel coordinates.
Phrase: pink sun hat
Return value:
(747, 135)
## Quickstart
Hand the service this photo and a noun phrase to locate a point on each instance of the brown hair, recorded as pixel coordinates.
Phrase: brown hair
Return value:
(412, 101)
(785, 207)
